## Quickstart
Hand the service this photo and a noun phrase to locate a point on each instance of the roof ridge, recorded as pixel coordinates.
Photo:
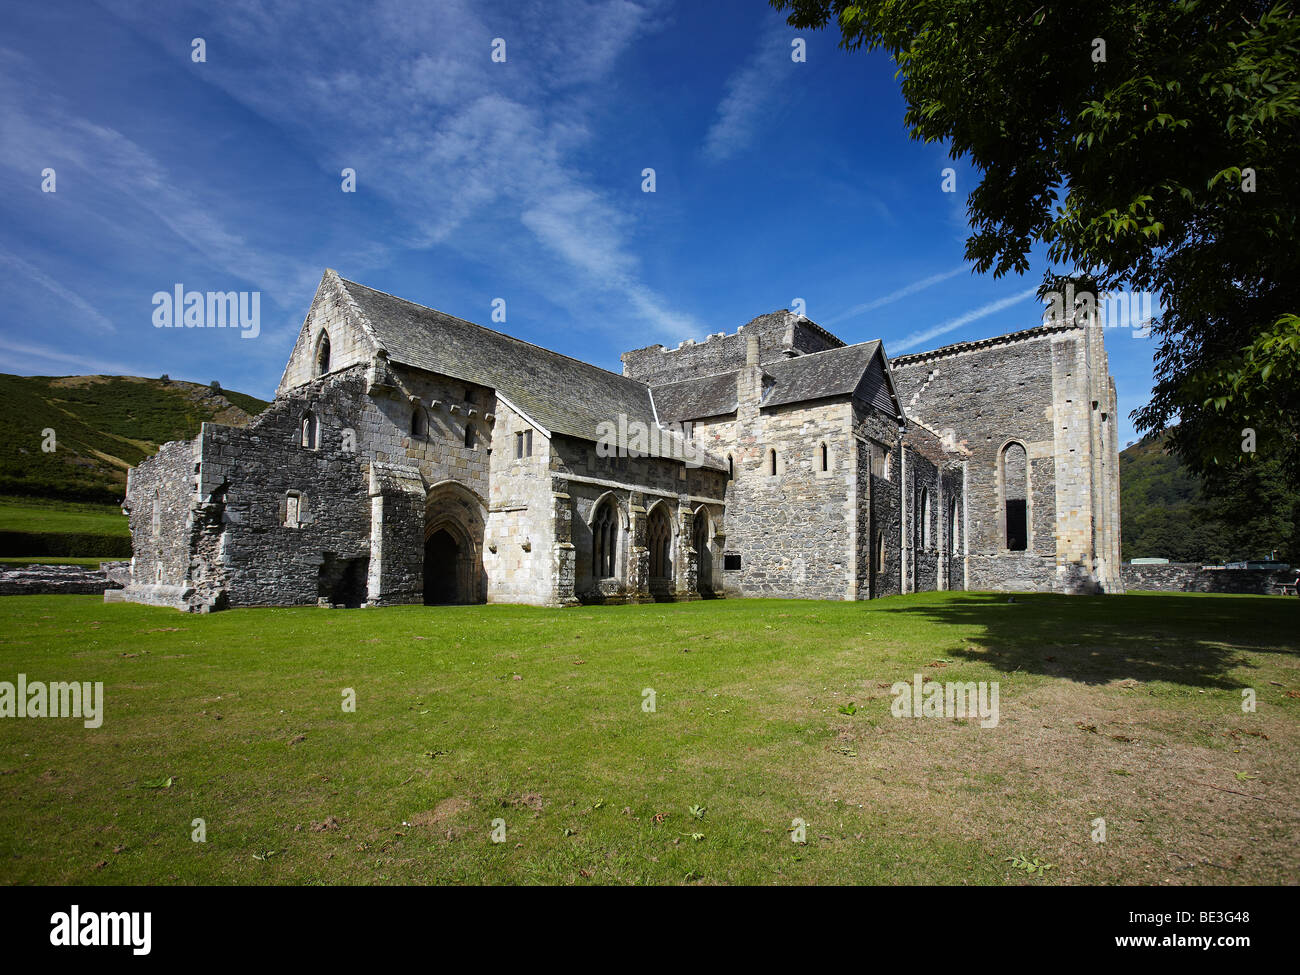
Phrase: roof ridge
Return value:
(504, 335)
(1022, 335)
(838, 348)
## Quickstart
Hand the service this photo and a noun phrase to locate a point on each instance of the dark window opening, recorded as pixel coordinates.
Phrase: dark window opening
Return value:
(1017, 529)
(310, 431)
(771, 460)
(470, 440)
(323, 354)
(826, 457)
(419, 425)
(731, 562)
(523, 444)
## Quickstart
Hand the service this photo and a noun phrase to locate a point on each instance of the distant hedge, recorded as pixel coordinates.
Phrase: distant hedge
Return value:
(63, 543)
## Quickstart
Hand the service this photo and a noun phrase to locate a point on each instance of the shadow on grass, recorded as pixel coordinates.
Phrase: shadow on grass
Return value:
(1192, 640)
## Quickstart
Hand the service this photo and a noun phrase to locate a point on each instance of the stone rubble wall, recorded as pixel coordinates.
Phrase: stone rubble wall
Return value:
(781, 334)
(1036, 390)
(50, 580)
(1190, 577)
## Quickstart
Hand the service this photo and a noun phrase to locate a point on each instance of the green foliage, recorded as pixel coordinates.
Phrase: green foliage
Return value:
(1168, 167)
(1167, 512)
(1030, 866)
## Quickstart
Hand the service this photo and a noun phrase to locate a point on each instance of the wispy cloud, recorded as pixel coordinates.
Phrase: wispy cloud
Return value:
(751, 92)
(29, 358)
(461, 146)
(87, 319)
(903, 292)
(984, 311)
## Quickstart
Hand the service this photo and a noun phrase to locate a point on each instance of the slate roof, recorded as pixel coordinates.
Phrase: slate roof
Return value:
(562, 394)
(799, 379)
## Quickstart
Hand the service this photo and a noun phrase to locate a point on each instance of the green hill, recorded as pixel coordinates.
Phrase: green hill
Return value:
(102, 426)
(1165, 512)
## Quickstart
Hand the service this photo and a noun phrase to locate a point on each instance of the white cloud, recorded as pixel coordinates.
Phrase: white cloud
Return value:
(87, 319)
(750, 92)
(30, 359)
(992, 308)
(903, 292)
(458, 144)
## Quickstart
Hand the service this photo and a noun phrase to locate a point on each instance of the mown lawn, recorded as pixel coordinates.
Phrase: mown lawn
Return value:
(1122, 708)
(61, 517)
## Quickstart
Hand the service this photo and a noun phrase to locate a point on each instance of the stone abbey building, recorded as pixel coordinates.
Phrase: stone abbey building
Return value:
(411, 457)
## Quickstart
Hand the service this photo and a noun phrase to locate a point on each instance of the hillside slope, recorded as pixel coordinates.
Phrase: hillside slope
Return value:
(1164, 512)
(103, 425)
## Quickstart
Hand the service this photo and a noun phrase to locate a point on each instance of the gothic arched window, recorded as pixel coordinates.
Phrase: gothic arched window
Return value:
(659, 539)
(310, 430)
(604, 548)
(322, 360)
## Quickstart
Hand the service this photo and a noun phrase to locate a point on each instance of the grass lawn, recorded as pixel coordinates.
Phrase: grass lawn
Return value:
(37, 515)
(1126, 708)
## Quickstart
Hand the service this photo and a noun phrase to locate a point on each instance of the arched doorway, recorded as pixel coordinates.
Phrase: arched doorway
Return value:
(704, 553)
(454, 521)
(442, 569)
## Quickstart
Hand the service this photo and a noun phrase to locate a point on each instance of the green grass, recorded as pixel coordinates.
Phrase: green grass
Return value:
(466, 715)
(60, 517)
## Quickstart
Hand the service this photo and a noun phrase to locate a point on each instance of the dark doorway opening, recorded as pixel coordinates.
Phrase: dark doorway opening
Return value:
(441, 569)
(704, 567)
(342, 582)
(1017, 529)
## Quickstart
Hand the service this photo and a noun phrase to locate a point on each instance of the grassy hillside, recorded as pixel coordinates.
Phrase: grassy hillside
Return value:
(1165, 513)
(103, 425)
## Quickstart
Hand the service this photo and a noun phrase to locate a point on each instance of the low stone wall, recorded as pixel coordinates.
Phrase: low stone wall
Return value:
(1190, 577)
(44, 580)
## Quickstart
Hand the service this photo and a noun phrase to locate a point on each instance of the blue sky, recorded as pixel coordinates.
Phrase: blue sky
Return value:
(475, 180)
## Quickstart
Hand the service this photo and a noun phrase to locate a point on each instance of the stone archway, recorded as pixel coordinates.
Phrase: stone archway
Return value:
(702, 542)
(454, 520)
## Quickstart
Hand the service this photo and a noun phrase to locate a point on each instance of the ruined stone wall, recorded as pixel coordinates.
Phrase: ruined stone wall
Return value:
(1190, 577)
(333, 312)
(160, 497)
(922, 490)
(781, 334)
(260, 474)
(880, 525)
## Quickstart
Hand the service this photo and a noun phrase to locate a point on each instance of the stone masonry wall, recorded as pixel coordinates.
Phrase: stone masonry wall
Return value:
(1190, 577)
(780, 334)
(986, 397)
(520, 555)
(795, 530)
(636, 484)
